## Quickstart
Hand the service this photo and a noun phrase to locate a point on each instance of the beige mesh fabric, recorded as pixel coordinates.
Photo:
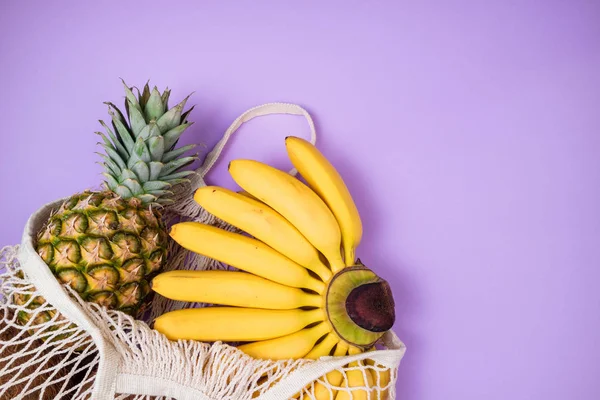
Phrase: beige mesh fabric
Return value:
(70, 349)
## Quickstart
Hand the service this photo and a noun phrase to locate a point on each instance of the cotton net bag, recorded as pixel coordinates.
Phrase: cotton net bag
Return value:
(70, 349)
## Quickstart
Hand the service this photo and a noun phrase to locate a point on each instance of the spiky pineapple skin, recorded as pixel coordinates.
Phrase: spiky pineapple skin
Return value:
(106, 248)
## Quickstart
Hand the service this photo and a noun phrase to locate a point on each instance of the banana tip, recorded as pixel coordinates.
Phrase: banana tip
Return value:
(199, 193)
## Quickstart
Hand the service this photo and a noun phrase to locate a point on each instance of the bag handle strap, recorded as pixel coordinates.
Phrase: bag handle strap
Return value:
(264, 109)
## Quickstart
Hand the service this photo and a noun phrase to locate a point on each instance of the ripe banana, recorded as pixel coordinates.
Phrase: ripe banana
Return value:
(232, 289)
(264, 223)
(381, 379)
(357, 378)
(294, 201)
(324, 347)
(245, 253)
(244, 193)
(211, 324)
(334, 378)
(325, 180)
(295, 345)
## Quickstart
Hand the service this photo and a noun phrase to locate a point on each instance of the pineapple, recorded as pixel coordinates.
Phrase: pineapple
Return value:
(107, 245)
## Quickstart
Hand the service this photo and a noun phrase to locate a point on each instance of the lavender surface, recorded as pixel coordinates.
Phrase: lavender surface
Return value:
(468, 132)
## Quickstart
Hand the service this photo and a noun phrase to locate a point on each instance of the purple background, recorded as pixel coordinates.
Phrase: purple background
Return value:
(468, 133)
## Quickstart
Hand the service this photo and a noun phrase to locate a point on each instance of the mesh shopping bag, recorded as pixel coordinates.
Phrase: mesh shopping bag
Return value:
(53, 345)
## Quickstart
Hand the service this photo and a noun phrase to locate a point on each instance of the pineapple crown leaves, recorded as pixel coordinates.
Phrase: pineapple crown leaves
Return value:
(141, 159)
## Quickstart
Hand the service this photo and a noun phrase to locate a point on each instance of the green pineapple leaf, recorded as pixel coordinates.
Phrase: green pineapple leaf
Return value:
(104, 138)
(130, 99)
(173, 135)
(121, 128)
(134, 186)
(165, 99)
(113, 165)
(161, 193)
(155, 185)
(117, 141)
(177, 175)
(114, 156)
(171, 118)
(123, 191)
(173, 154)
(127, 174)
(136, 119)
(154, 108)
(119, 149)
(116, 113)
(149, 130)
(147, 198)
(178, 181)
(132, 160)
(156, 146)
(176, 164)
(109, 168)
(141, 171)
(185, 114)
(111, 182)
(141, 150)
(145, 95)
(155, 168)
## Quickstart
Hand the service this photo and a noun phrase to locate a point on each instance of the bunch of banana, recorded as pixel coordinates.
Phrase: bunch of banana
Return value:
(299, 292)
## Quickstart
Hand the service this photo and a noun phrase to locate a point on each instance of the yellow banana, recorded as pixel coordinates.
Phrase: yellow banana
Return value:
(294, 201)
(264, 223)
(325, 180)
(242, 252)
(295, 345)
(357, 378)
(341, 349)
(210, 324)
(246, 194)
(232, 289)
(324, 347)
(334, 378)
(381, 378)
